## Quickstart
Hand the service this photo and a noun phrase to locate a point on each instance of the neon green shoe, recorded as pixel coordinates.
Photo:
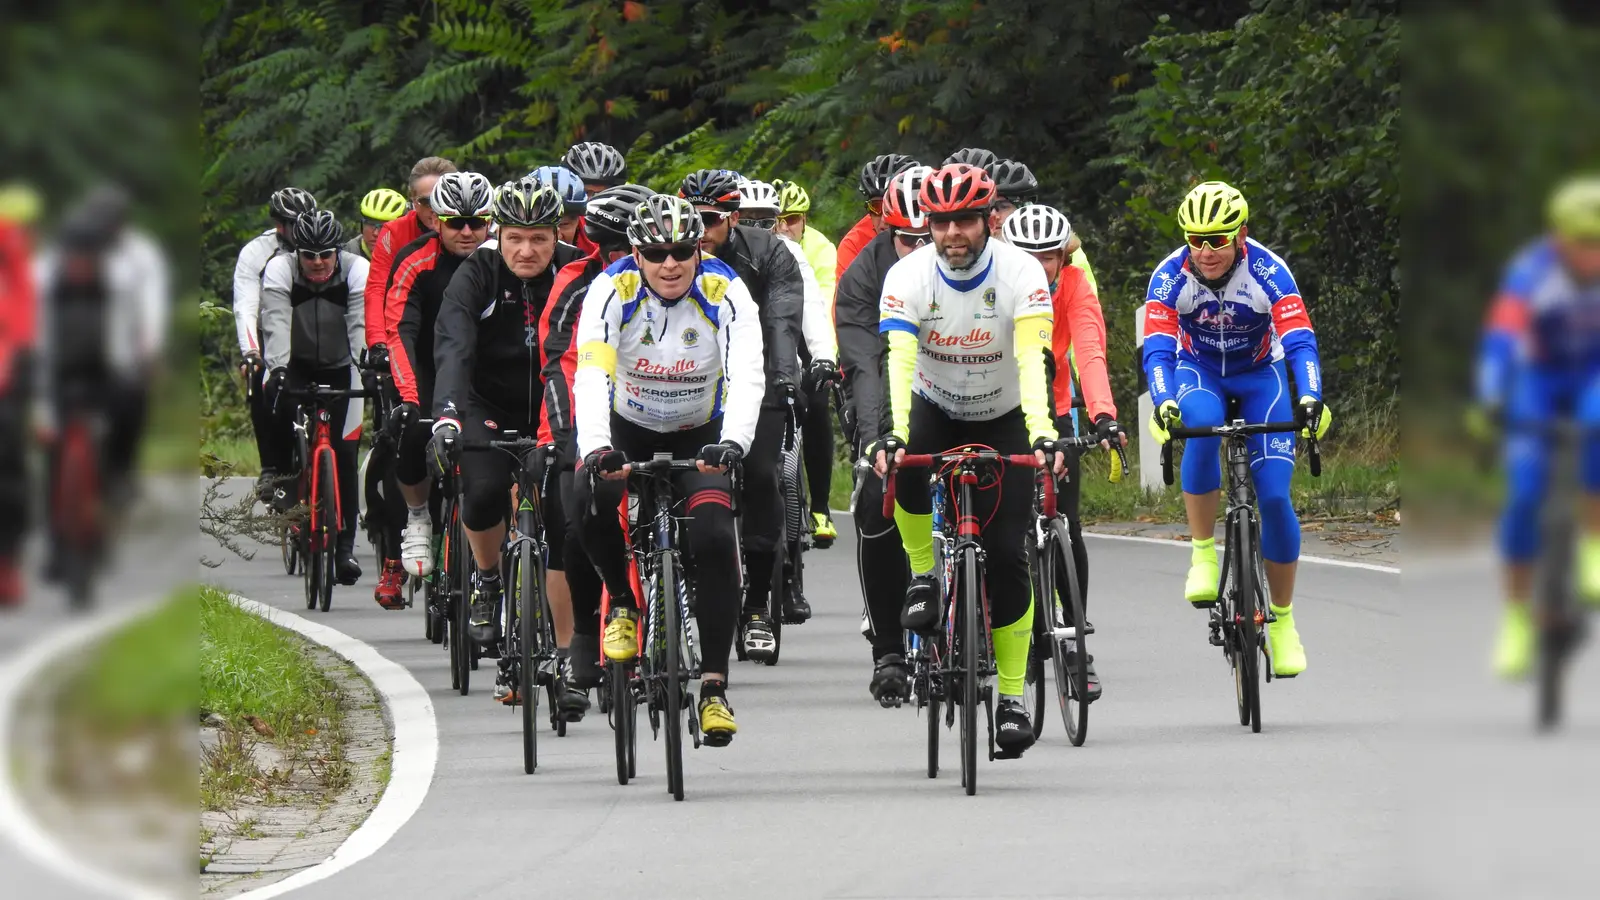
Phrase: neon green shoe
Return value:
(1288, 654)
(823, 534)
(1201, 587)
(1589, 569)
(1513, 652)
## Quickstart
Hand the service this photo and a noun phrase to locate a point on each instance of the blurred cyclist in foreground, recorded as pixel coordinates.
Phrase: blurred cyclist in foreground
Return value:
(1539, 361)
(19, 206)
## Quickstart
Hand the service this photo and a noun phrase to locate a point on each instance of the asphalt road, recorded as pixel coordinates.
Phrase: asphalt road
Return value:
(824, 794)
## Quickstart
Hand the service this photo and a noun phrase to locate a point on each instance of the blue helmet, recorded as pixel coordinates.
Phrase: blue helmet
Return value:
(565, 183)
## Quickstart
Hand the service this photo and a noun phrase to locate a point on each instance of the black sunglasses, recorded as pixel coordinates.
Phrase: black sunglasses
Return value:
(712, 218)
(314, 255)
(659, 253)
(465, 222)
(766, 224)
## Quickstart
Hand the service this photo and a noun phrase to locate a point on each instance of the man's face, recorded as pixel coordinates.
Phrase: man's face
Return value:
(567, 229)
(318, 265)
(420, 193)
(1052, 260)
(369, 232)
(875, 213)
(1581, 258)
(463, 234)
(792, 226)
(719, 225)
(527, 251)
(960, 239)
(999, 213)
(283, 228)
(766, 219)
(668, 268)
(907, 241)
(1214, 262)
(592, 188)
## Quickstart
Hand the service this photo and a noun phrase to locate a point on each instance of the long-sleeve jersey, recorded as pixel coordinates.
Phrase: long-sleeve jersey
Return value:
(558, 349)
(668, 365)
(824, 259)
(772, 277)
(247, 275)
(319, 326)
(816, 322)
(970, 342)
(854, 241)
(1257, 318)
(1541, 316)
(422, 271)
(395, 234)
(1078, 344)
(861, 345)
(17, 300)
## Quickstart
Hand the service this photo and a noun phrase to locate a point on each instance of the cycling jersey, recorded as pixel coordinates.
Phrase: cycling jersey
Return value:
(315, 326)
(1541, 318)
(17, 304)
(558, 351)
(824, 259)
(965, 326)
(861, 347)
(668, 365)
(1257, 318)
(854, 241)
(1078, 344)
(816, 323)
(357, 246)
(247, 275)
(772, 277)
(422, 271)
(394, 235)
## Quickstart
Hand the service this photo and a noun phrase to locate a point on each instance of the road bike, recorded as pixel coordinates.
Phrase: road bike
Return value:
(317, 476)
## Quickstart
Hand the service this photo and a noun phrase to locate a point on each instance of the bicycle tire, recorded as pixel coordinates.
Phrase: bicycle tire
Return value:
(327, 497)
(667, 595)
(289, 541)
(1072, 687)
(1243, 608)
(528, 650)
(1558, 631)
(461, 610)
(1033, 685)
(775, 600)
(622, 717)
(970, 659)
(933, 730)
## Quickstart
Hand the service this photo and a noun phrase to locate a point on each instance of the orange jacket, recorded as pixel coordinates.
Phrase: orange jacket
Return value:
(851, 244)
(1080, 330)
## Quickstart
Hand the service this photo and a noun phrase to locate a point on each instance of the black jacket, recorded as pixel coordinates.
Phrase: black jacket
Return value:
(862, 349)
(773, 277)
(486, 339)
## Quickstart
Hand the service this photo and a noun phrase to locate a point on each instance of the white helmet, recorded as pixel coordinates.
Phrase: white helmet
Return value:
(757, 195)
(462, 194)
(1037, 228)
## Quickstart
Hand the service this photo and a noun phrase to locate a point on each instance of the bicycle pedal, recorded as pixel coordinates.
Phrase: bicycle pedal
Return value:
(1216, 640)
(1203, 604)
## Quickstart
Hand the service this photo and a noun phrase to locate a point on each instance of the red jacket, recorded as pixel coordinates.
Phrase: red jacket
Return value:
(1080, 329)
(558, 348)
(395, 234)
(855, 239)
(17, 301)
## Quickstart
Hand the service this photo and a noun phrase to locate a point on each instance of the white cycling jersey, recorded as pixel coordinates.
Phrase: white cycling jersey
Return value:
(816, 325)
(247, 275)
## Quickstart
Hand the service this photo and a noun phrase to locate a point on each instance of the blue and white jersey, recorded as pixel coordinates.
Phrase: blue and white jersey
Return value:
(1541, 317)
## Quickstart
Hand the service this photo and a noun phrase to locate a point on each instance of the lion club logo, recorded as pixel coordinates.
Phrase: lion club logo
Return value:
(648, 338)
(690, 337)
(988, 298)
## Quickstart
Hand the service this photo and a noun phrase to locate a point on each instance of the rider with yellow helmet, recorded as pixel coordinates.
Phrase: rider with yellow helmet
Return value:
(377, 208)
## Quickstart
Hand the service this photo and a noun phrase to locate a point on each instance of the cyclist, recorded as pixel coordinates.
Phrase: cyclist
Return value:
(600, 165)
(669, 342)
(1018, 188)
(968, 321)
(976, 157)
(272, 449)
(605, 222)
(769, 272)
(880, 559)
(1539, 360)
(874, 180)
(1222, 316)
(312, 331)
(793, 205)
(1078, 345)
(378, 208)
(19, 208)
(574, 195)
(422, 270)
(487, 381)
(394, 235)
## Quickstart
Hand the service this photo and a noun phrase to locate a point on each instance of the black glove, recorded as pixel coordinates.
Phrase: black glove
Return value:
(821, 373)
(442, 448)
(889, 444)
(721, 456)
(1107, 429)
(369, 383)
(377, 357)
(605, 460)
(400, 418)
(1048, 447)
(1309, 411)
(275, 385)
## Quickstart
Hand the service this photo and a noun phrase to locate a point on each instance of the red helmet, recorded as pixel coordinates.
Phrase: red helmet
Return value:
(957, 188)
(902, 199)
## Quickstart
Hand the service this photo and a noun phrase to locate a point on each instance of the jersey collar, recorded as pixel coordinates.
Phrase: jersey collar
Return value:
(960, 280)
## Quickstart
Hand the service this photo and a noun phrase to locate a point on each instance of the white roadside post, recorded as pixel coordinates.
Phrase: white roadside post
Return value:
(1149, 450)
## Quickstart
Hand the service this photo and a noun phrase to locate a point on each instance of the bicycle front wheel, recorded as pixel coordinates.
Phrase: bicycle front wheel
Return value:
(461, 646)
(526, 580)
(328, 526)
(667, 595)
(968, 660)
(1243, 608)
(624, 718)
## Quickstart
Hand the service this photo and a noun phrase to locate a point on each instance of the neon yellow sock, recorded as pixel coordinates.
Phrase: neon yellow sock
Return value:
(1209, 545)
(1011, 651)
(916, 535)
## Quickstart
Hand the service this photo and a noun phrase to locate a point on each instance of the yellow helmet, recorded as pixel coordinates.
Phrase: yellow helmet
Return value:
(792, 198)
(383, 205)
(1574, 210)
(19, 203)
(1213, 208)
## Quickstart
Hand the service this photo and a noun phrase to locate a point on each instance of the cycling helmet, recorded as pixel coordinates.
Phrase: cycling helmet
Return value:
(606, 218)
(875, 175)
(1212, 208)
(526, 203)
(383, 205)
(665, 219)
(1037, 228)
(19, 203)
(596, 163)
(902, 201)
(1013, 180)
(462, 194)
(1574, 210)
(95, 221)
(757, 195)
(973, 156)
(567, 185)
(317, 230)
(290, 203)
(712, 187)
(792, 198)
(957, 188)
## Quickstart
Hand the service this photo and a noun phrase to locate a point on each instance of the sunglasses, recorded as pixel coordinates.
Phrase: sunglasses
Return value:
(1212, 241)
(766, 224)
(912, 238)
(712, 217)
(875, 206)
(314, 255)
(461, 223)
(792, 219)
(424, 201)
(658, 254)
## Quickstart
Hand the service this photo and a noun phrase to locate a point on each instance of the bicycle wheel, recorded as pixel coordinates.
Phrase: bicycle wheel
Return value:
(1067, 653)
(526, 606)
(667, 596)
(775, 598)
(328, 527)
(289, 541)
(77, 500)
(1559, 629)
(1244, 611)
(624, 717)
(932, 708)
(462, 649)
(1039, 650)
(968, 660)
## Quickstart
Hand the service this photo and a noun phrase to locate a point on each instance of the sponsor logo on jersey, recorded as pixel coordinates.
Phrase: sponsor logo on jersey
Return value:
(678, 367)
(491, 425)
(979, 373)
(977, 337)
(976, 359)
(690, 337)
(893, 303)
(634, 404)
(1160, 379)
(1266, 272)
(1313, 378)
(988, 298)
(1164, 289)
(1040, 297)
(648, 340)
(1281, 444)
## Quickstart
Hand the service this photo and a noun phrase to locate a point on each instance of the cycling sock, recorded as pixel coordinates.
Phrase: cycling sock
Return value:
(417, 512)
(1209, 545)
(1282, 611)
(916, 536)
(489, 576)
(713, 687)
(1011, 652)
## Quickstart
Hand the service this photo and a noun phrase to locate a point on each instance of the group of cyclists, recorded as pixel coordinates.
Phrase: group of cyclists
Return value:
(616, 322)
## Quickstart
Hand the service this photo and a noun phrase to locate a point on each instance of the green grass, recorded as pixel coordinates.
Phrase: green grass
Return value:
(249, 666)
(143, 672)
(238, 453)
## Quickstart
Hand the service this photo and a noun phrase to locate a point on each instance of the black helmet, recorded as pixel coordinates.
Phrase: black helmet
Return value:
(712, 187)
(596, 163)
(291, 203)
(317, 230)
(875, 175)
(665, 219)
(606, 218)
(973, 156)
(1013, 180)
(526, 203)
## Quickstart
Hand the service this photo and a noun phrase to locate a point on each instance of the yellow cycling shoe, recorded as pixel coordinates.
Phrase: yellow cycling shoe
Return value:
(1513, 652)
(1201, 587)
(823, 534)
(621, 640)
(1589, 569)
(717, 726)
(1288, 654)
